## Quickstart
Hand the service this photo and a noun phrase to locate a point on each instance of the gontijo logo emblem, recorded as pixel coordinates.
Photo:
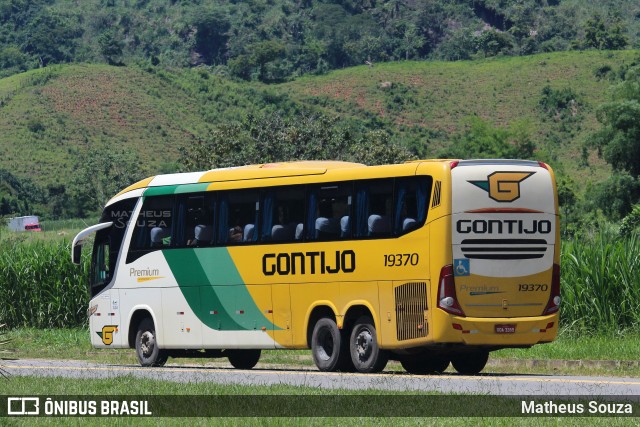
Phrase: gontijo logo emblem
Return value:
(503, 186)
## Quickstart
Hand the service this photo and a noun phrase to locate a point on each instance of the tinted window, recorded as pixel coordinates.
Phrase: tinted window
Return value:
(154, 226)
(195, 220)
(237, 216)
(411, 199)
(374, 208)
(329, 208)
(283, 214)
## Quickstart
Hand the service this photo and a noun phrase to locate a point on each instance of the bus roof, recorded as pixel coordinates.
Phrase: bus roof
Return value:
(195, 181)
(266, 170)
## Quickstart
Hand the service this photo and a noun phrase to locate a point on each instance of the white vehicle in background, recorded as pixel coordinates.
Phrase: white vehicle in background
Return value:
(25, 223)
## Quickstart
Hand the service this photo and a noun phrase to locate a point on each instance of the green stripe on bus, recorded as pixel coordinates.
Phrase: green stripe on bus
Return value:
(192, 188)
(161, 191)
(222, 292)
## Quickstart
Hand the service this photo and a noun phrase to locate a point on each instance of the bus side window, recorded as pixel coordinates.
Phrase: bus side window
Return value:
(196, 220)
(237, 216)
(329, 212)
(154, 226)
(282, 214)
(374, 212)
(411, 197)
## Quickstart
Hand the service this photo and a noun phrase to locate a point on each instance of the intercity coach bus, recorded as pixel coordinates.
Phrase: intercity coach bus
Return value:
(428, 263)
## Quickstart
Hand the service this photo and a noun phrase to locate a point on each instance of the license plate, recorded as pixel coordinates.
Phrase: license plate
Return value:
(505, 329)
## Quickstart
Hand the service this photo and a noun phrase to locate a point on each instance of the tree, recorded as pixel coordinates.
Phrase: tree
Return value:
(111, 47)
(599, 36)
(618, 141)
(52, 37)
(493, 42)
(483, 141)
(100, 173)
(270, 137)
(212, 34)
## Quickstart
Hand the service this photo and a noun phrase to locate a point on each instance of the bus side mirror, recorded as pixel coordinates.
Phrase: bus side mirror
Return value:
(77, 251)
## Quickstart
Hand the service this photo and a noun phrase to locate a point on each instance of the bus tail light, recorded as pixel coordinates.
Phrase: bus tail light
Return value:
(554, 299)
(447, 300)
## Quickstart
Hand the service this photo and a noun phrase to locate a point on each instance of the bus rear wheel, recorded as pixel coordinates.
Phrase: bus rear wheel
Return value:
(147, 350)
(243, 359)
(424, 364)
(470, 363)
(366, 355)
(330, 351)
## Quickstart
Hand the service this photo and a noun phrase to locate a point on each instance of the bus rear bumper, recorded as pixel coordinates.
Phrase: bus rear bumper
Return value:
(503, 332)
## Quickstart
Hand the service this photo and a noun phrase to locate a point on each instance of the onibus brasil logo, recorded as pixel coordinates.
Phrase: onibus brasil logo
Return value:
(503, 186)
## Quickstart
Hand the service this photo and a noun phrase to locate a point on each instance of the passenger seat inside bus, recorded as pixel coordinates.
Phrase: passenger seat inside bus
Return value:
(299, 231)
(158, 234)
(378, 225)
(409, 224)
(345, 226)
(248, 233)
(203, 234)
(327, 228)
(282, 233)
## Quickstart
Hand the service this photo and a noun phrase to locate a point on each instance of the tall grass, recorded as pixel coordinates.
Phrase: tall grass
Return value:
(601, 282)
(40, 286)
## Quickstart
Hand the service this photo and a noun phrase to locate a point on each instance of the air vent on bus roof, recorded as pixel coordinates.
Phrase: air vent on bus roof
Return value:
(436, 194)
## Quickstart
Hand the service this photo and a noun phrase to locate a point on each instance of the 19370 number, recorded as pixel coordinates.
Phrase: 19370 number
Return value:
(399, 260)
(532, 287)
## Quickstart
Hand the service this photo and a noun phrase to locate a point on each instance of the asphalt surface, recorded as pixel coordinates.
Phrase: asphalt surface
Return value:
(494, 384)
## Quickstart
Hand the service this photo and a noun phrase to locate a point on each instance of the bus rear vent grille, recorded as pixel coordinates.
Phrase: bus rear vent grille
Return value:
(436, 194)
(411, 307)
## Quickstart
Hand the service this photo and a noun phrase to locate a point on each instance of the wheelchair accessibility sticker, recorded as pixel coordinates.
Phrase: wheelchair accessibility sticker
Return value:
(461, 267)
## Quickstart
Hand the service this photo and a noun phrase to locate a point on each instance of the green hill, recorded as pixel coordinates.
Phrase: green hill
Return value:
(51, 116)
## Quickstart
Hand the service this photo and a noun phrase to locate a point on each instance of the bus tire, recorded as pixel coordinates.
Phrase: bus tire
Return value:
(425, 364)
(366, 355)
(147, 350)
(243, 359)
(470, 363)
(330, 352)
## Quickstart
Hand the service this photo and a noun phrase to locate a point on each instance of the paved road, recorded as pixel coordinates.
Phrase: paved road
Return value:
(494, 384)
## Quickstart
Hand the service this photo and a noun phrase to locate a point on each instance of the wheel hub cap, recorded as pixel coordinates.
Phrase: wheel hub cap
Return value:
(147, 343)
(363, 344)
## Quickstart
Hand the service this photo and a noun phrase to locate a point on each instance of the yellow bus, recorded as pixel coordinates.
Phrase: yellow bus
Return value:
(429, 263)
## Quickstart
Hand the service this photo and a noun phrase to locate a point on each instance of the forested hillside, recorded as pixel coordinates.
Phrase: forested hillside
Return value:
(74, 134)
(274, 40)
(96, 94)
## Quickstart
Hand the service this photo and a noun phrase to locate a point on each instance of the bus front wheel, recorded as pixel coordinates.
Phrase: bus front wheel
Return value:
(366, 355)
(147, 350)
(470, 363)
(243, 359)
